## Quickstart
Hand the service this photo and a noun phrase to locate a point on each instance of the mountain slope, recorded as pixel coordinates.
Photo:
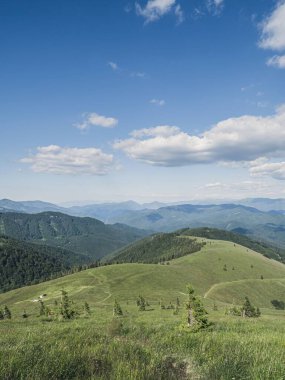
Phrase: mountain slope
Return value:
(84, 236)
(216, 234)
(157, 248)
(24, 263)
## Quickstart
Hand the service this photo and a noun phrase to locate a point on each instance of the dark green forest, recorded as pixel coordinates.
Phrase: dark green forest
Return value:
(24, 263)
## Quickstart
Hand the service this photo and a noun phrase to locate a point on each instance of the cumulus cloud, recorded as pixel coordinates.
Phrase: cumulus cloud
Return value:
(273, 35)
(273, 29)
(158, 102)
(155, 9)
(93, 119)
(277, 61)
(64, 160)
(241, 139)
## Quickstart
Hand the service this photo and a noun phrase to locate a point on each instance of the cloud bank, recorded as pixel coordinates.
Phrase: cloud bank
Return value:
(241, 139)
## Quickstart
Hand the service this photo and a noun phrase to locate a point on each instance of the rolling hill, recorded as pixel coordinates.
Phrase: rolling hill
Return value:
(85, 236)
(221, 271)
(157, 248)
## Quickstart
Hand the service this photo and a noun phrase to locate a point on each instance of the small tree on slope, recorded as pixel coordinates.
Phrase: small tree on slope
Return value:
(196, 313)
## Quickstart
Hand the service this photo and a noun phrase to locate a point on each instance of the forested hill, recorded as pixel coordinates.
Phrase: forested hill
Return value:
(24, 263)
(86, 236)
(157, 248)
(167, 246)
(265, 249)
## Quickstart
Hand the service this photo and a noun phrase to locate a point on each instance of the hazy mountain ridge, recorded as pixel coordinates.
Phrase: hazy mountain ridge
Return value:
(247, 220)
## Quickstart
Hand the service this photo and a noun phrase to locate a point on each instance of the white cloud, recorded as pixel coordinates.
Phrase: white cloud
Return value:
(64, 160)
(240, 139)
(155, 9)
(273, 29)
(158, 102)
(215, 6)
(264, 168)
(273, 35)
(179, 14)
(161, 130)
(114, 66)
(93, 119)
(277, 61)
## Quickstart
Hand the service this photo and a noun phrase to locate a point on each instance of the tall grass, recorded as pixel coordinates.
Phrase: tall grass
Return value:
(81, 349)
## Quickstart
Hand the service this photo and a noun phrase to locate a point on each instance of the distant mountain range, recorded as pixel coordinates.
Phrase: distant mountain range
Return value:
(248, 221)
(105, 211)
(260, 218)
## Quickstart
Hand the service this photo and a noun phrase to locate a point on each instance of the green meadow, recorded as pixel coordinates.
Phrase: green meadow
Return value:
(151, 344)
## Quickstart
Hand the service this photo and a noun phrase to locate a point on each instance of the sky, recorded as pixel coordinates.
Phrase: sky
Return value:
(167, 100)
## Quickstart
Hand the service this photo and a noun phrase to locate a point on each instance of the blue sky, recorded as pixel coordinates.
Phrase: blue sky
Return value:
(147, 100)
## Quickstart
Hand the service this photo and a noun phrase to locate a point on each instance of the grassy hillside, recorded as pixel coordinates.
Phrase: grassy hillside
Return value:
(24, 263)
(157, 248)
(150, 344)
(84, 236)
(203, 269)
(216, 234)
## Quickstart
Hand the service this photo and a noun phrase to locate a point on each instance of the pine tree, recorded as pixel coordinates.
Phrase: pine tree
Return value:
(196, 313)
(7, 313)
(117, 310)
(66, 309)
(42, 308)
(248, 310)
(24, 315)
(141, 303)
(1, 315)
(86, 308)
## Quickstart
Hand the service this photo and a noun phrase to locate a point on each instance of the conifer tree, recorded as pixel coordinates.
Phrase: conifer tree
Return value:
(141, 303)
(117, 310)
(86, 308)
(42, 308)
(66, 309)
(1, 315)
(248, 310)
(196, 313)
(7, 313)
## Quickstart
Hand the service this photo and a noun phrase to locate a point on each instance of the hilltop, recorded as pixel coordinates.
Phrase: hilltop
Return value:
(167, 246)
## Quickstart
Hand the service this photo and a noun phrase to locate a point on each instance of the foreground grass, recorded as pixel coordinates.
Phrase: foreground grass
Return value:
(120, 349)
